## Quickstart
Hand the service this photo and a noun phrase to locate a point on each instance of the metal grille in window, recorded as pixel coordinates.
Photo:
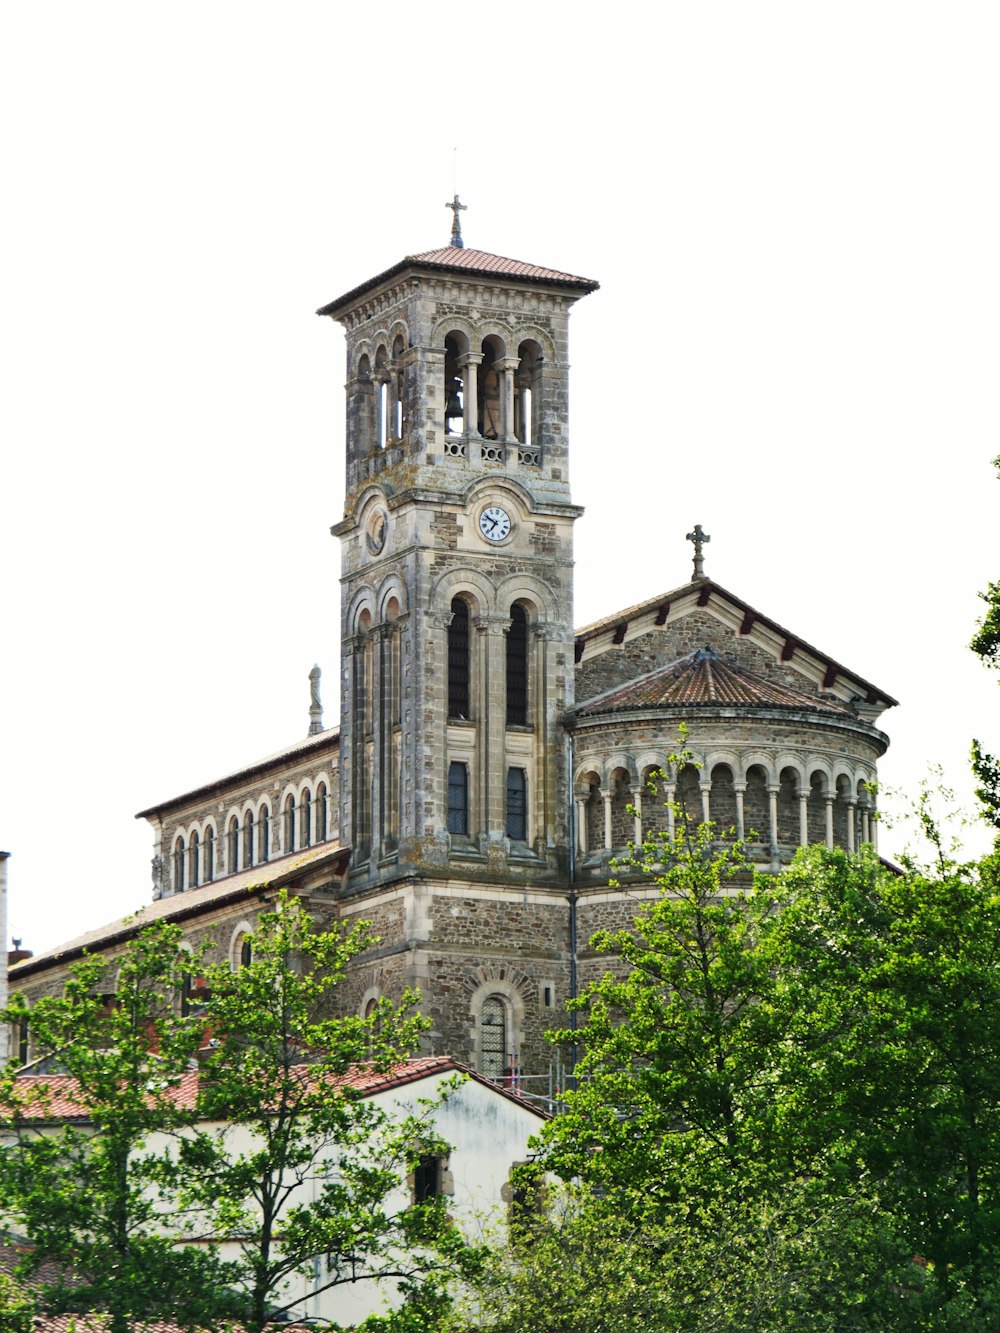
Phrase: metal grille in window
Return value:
(517, 668)
(458, 660)
(517, 805)
(493, 1025)
(458, 799)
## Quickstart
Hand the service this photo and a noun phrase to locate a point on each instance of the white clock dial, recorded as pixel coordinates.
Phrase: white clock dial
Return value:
(494, 523)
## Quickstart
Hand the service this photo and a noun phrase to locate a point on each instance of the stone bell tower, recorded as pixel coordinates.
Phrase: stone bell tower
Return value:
(457, 552)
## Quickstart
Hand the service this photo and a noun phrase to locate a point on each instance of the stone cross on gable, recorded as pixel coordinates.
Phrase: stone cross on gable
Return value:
(699, 538)
(456, 222)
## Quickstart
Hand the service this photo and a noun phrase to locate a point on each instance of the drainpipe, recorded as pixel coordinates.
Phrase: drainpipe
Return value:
(572, 898)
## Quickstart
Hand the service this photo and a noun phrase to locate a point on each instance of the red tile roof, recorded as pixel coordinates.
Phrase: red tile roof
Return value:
(62, 1103)
(703, 679)
(466, 261)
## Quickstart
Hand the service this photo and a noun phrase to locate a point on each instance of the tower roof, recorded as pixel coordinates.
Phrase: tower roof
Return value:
(450, 258)
(703, 679)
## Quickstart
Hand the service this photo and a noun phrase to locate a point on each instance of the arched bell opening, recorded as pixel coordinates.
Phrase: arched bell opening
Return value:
(843, 814)
(817, 808)
(490, 415)
(688, 797)
(456, 349)
(399, 423)
(655, 815)
(527, 394)
(622, 823)
(594, 813)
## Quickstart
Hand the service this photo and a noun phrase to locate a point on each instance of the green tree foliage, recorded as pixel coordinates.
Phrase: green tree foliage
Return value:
(17, 1307)
(87, 1194)
(276, 1082)
(986, 645)
(788, 1106)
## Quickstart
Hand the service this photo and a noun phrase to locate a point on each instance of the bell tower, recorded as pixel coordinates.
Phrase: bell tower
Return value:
(457, 556)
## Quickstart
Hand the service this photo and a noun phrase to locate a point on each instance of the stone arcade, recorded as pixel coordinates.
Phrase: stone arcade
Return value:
(487, 755)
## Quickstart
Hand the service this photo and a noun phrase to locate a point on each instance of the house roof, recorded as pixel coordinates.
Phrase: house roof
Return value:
(746, 619)
(298, 750)
(452, 259)
(61, 1102)
(702, 679)
(181, 906)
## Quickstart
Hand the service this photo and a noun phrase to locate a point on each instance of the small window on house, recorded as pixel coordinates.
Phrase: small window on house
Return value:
(305, 819)
(290, 824)
(234, 845)
(248, 848)
(458, 799)
(209, 856)
(179, 866)
(264, 834)
(427, 1178)
(458, 659)
(517, 668)
(517, 805)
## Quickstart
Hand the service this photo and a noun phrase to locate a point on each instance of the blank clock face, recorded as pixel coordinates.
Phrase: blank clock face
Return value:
(494, 523)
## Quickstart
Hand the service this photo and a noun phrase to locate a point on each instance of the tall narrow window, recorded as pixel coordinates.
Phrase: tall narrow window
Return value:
(427, 1178)
(458, 659)
(305, 819)
(458, 799)
(233, 848)
(209, 856)
(264, 834)
(193, 856)
(179, 866)
(248, 840)
(246, 952)
(321, 814)
(517, 668)
(517, 805)
(289, 830)
(493, 1046)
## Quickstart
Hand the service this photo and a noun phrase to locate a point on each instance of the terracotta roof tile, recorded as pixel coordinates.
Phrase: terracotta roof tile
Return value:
(465, 261)
(704, 679)
(62, 1103)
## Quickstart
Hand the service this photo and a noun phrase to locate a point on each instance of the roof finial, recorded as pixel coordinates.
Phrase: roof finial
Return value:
(699, 538)
(456, 222)
(315, 707)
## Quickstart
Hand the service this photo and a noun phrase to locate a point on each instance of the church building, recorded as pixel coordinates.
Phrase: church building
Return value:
(490, 760)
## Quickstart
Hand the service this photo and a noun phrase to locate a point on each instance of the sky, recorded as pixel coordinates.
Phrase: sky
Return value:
(792, 210)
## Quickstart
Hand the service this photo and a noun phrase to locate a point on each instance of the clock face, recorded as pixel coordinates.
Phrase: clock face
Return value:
(376, 533)
(494, 523)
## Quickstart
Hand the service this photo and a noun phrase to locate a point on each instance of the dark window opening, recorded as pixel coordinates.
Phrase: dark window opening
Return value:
(517, 805)
(458, 659)
(264, 834)
(517, 668)
(458, 799)
(22, 1042)
(246, 952)
(248, 840)
(427, 1179)
(290, 824)
(209, 855)
(234, 845)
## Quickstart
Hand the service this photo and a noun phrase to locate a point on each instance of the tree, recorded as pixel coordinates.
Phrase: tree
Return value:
(277, 1082)
(789, 1100)
(87, 1193)
(986, 645)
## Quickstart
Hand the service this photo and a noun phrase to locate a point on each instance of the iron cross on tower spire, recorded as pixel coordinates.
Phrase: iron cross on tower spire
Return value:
(456, 222)
(699, 538)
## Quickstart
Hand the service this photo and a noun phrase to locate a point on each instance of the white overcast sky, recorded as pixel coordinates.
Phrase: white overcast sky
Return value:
(793, 211)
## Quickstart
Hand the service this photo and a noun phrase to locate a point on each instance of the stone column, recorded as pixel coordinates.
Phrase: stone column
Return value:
(469, 364)
(669, 791)
(865, 830)
(772, 809)
(804, 817)
(508, 365)
(740, 789)
(608, 798)
(874, 830)
(706, 800)
(851, 816)
(829, 797)
(637, 802)
(581, 825)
